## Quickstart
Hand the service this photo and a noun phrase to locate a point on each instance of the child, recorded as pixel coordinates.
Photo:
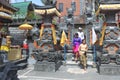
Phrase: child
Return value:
(82, 52)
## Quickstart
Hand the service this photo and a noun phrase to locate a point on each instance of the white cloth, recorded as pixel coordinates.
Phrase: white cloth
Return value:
(94, 36)
(25, 41)
(81, 35)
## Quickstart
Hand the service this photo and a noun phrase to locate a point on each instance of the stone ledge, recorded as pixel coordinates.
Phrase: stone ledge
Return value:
(109, 69)
(46, 66)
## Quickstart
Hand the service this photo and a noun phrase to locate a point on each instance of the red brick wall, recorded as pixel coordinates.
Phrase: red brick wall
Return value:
(67, 4)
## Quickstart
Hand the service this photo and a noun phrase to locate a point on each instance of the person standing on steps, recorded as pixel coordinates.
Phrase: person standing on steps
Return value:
(26, 48)
(76, 42)
(82, 52)
(80, 33)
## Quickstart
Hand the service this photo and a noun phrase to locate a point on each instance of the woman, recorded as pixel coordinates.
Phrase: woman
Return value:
(76, 42)
(26, 48)
(82, 52)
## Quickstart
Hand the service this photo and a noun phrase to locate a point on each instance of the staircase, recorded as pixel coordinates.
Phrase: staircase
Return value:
(73, 67)
(70, 62)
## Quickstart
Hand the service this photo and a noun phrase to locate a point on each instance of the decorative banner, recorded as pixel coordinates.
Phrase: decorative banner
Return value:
(94, 36)
(41, 31)
(63, 39)
(48, 11)
(5, 15)
(54, 34)
(103, 34)
(108, 7)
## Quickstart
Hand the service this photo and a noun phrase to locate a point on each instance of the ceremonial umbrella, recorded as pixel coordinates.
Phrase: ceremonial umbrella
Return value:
(25, 27)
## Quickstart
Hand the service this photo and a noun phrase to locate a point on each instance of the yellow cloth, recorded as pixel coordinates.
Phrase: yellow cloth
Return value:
(48, 11)
(103, 34)
(54, 34)
(107, 7)
(97, 12)
(41, 31)
(63, 39)
(4, 48)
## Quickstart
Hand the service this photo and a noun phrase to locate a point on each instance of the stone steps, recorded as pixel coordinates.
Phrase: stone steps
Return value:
(73, 63)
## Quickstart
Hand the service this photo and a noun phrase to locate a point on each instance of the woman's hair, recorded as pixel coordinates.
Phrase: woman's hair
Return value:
(83, 40)
(76, 34)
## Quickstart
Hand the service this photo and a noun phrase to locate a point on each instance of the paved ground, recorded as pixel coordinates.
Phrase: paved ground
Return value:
(69, 71)
(66, 72)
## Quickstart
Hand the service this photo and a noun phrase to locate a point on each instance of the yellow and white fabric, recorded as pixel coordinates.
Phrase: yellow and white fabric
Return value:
(47, 11)
(41, 31)
(54, 34)
(94, 36)
(103, 34)
(63, 39)
(108, 7)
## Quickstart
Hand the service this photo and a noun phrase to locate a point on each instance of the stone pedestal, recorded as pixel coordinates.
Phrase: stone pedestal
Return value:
(109, 69)
(46, 66)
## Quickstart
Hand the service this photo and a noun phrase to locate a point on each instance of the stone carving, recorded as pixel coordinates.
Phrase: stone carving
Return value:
(47, 57)
(109, 60)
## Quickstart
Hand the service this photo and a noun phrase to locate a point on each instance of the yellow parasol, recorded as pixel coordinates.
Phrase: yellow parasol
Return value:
(25, 27)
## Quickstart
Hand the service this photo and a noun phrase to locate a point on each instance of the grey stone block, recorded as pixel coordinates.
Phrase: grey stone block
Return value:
(44, 66)
(109, 69)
